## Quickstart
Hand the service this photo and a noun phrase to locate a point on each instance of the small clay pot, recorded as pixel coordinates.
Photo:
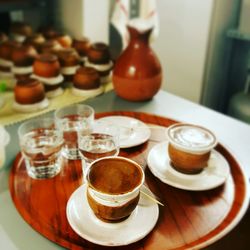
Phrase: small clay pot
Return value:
(46, 65)
(64, 40)
(82, 46)
(50, 47)
(23, 55)
(36, 40)
(68, 57)
(98, 53)
(86, 78)
(6, 49)
(29, 91)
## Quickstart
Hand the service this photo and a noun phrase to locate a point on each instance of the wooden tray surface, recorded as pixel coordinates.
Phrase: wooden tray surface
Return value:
(188, 219)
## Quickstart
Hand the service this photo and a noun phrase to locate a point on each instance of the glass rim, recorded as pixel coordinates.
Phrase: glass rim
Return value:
(37, 121)
(187, 148)
(115, 158)
(75, 111)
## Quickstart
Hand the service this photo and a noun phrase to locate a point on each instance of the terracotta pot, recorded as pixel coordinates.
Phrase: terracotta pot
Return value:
(29, 91)
(86, 78)
(46, 65)
(23, 55)
(98, 53)
(82, 46)
(137, 74)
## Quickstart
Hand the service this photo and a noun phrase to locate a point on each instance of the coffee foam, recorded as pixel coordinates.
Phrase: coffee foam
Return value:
(191, 138)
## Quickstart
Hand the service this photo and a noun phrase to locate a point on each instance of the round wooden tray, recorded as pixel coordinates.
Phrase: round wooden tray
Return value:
(188, 219)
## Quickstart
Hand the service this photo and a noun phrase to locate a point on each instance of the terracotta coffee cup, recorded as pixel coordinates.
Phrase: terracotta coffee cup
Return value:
(189, 147)
(114, 187)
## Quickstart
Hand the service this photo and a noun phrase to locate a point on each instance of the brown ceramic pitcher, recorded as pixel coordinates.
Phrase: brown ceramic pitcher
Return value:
(137, 73)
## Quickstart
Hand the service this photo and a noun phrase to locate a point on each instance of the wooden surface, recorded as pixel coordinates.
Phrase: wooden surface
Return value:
(189, 219)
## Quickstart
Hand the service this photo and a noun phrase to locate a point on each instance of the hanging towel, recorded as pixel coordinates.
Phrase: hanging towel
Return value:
(121, 16)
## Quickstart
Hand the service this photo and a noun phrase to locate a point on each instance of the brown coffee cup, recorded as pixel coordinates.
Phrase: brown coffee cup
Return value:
(113, 188)
(189, 147)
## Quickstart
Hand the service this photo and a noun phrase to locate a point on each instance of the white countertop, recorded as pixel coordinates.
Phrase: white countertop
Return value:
(15, 233)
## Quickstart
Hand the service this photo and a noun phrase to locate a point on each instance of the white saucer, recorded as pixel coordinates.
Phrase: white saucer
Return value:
(133, 132)
(87, 92)
(88, 226)
(26, 108)
(212, 176)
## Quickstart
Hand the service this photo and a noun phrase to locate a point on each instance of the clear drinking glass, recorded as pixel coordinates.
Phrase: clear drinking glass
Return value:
(102, 142)
(72, 120)
(41, 143)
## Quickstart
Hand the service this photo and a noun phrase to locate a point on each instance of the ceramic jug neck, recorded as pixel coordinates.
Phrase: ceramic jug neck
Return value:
(137, 36)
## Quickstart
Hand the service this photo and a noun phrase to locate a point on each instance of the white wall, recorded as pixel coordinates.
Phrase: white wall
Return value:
(89, 18)
(182, 44)
(69, 16)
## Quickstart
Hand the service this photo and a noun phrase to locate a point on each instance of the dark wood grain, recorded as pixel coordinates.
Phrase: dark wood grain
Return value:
(189, 219)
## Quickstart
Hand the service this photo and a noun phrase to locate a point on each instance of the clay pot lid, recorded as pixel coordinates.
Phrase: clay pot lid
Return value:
(28, 83)
(48, 58)
(87, 71)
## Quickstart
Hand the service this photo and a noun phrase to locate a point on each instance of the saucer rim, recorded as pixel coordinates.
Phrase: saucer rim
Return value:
(183, 176)
(142, 124)
(99, 242)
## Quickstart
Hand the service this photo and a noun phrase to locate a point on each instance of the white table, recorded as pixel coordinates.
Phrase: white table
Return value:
(15, 233)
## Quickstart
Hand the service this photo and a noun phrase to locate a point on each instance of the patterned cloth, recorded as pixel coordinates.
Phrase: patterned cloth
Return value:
(121, 16)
